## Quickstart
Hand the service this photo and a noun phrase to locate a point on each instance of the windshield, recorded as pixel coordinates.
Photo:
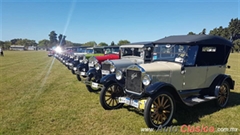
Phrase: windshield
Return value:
(173, 53)
(90, 51)
(81, 50)
(112, 50)
(132, 52)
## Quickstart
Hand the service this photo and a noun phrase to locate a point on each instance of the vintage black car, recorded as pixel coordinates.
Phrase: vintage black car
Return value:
(110, 52)
(185, 69)
(134, 53)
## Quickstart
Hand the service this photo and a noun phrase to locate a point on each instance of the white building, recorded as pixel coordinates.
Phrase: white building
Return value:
(17, 47)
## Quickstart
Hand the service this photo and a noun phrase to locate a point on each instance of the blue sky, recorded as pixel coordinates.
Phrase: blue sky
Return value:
(106, 21)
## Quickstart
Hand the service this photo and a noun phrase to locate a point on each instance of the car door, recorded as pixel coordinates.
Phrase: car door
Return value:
(194, 76)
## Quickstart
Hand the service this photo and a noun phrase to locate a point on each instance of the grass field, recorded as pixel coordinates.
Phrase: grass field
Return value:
(39, 95)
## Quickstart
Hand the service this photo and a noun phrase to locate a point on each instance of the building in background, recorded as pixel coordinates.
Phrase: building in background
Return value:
(17, 47)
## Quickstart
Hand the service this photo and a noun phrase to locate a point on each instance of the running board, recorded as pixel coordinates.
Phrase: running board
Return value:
(196, 100)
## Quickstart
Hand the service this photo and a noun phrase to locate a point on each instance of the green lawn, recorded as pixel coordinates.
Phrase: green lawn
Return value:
(39, 95)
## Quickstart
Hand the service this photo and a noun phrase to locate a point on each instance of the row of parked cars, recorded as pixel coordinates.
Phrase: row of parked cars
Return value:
(156, 76)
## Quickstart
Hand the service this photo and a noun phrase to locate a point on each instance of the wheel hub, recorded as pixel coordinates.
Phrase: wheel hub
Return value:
(160, 110)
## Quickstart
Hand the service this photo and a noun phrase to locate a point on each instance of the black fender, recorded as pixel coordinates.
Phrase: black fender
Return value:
(93, 72)
(162, 86)
(75, 63)
(218, 82)
(81, 66)
(111, 78)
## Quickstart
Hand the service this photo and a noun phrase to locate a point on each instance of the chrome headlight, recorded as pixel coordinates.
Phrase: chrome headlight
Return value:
(95, 61)
(85, 61)
(146, 80)
(119, 75)
(112, 68)
(97, 66)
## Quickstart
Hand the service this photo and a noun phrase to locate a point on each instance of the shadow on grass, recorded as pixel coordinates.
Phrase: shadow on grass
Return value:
(190, 115)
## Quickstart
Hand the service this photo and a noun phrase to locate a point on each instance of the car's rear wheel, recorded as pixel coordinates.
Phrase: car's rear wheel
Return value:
(109, 96)
(159, 110)
(223, 95)
(89, 87)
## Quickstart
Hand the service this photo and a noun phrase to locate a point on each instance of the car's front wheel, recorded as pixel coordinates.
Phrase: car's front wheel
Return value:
(223, 95)
(73, 72)
(78, 77)
(109, 96)
(159, 110)
(89, 87)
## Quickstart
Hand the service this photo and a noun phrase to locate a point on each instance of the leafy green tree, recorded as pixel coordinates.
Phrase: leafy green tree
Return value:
(7, 45)
(53, 38)
(234, 27)
(44, 43)
(112, 43)
(60, 36)
(191, 33)
(69, 43)
(26, 42)
(64, 40)
(225, 33)
(14, 41)
(203, 32)
(236, 44)
(1, 44)
(123, 42)
(90, 43)
(76, 44)
(102, 44)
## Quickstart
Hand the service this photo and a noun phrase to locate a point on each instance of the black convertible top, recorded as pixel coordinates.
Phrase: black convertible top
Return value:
(194, 39)
(142, 43)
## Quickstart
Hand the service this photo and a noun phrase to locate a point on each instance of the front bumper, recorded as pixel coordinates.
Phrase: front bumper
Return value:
(137, 103)
(93, 84)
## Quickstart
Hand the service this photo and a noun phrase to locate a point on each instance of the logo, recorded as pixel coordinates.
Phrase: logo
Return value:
(134, 75)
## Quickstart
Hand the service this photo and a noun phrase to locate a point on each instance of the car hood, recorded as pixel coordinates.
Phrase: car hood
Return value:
(107, 57)
(162, 71)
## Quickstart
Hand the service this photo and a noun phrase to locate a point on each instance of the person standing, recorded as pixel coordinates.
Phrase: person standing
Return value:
(1, 51)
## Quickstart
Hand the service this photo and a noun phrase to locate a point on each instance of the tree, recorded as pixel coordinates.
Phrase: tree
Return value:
(123, 42)
(234, 27)
(6, 45)
(102, 44)
(236, 44)
(191, 33)
(1, 44)
(53, 38)
(69, 43)
(90, 43)
(14, 41)
(60, 36)
(203, 32)
(44, 43)
(112, 43)
(64, 40)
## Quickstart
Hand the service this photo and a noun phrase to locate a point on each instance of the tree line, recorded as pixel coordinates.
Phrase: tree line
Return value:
(231, 32)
